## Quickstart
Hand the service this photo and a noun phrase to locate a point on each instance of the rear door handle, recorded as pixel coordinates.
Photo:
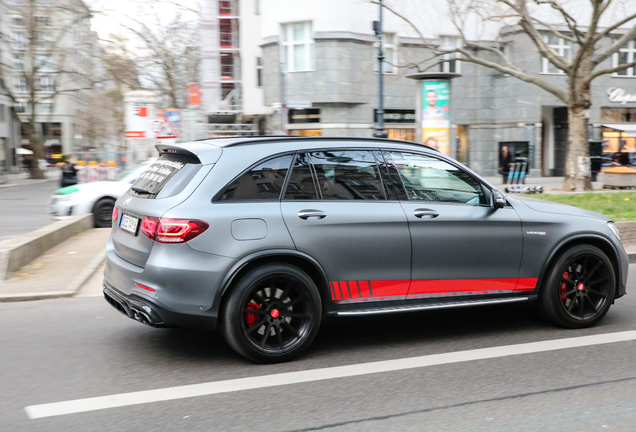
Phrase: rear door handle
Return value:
(305, 214)
(420, 213)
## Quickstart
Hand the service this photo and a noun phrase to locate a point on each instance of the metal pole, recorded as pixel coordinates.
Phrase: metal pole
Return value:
(283, 105)
(379, 133)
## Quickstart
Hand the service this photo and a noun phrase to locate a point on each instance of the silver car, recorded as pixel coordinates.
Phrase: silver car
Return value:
(263, 237)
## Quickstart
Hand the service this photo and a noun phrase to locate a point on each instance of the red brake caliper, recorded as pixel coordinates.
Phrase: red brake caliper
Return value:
(566, 275)
(251, 318)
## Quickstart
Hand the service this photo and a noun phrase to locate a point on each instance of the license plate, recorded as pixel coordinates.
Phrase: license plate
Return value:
(129, 223)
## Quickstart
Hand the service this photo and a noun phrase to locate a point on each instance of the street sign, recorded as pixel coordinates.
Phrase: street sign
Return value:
(161, 128)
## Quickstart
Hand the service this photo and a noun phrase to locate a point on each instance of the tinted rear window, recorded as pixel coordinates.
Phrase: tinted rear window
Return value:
(168, 176)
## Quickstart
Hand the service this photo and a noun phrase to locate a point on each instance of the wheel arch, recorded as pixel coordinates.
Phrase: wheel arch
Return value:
(102, 198)
(298, 259)
(583, 239)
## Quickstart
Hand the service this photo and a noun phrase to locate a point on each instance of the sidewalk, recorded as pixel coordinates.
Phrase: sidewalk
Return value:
(61, 271)
(23, 179)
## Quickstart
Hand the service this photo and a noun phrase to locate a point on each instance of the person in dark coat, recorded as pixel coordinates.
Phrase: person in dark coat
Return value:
(69, 173)
(505, 159)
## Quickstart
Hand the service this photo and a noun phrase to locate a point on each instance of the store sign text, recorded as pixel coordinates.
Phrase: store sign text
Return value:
(619, 95)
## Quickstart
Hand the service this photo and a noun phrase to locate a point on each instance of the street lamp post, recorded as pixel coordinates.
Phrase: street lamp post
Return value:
(377, 28)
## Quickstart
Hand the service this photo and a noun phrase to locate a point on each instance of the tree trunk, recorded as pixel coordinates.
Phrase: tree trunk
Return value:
(577, 163)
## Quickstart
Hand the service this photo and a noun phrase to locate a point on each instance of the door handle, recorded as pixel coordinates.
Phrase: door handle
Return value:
(420, 213)
(306, 214)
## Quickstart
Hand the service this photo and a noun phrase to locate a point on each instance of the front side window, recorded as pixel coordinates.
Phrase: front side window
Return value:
(562, 48)
(264, 182)
(348, 175)
(623, 56)
(426, 178)
(298, 46)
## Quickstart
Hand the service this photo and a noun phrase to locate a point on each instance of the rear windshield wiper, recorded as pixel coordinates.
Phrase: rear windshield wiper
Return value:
(142, 191)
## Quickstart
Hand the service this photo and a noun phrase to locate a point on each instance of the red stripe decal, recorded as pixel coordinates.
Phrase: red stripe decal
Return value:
(390, 288)
(333, 295)
(336, 290)
(439, 286)
(353, 289)
(526, 284)
(365, 289)
(344, 290)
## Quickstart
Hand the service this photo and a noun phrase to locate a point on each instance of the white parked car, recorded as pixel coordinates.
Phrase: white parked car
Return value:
(96, 197)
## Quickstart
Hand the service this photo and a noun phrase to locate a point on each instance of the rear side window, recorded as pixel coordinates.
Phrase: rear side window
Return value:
(348, 175)
(301, 185)
(262, 182)
(168, 176)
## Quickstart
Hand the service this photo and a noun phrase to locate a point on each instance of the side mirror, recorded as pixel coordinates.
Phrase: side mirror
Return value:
(498, 200)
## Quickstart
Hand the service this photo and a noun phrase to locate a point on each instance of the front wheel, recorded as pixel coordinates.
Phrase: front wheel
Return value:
(103, 213)
(579, 289)
(272, 314)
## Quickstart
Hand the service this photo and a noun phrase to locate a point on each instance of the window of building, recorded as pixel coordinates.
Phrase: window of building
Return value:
(348, 175)
(47, 84)
(259, 71)
(17, 21)
(18, 41)
(20, 85)
(46, 107)
(44, 41)
(452, 65)
(263, 182)
(430, 179)
(389, 46)
(42, 21)
(45, 64)
(18, 63)
(562, 48)
(1, 113)
(623, 56)
(298, 46)
(21, 106)
(301, 185)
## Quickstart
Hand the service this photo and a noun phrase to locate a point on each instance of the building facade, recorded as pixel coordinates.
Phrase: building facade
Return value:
(322, 66)
(50, 69)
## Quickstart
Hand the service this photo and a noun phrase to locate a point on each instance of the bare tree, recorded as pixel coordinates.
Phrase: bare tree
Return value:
(592, 46)
(44, 65)
(169, 53)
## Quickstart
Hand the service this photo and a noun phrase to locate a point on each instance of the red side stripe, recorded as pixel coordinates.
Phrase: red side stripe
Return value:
(333, 295)
(390, 288)
(364, 289)
(353, 289)
(439, 286)
(344, 290)
(526, 284)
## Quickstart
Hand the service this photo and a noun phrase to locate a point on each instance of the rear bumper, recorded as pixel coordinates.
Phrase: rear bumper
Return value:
(152, 314)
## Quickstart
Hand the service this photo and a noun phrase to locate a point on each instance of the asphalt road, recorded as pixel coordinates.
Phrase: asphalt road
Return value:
(73, 349)
(23, 208)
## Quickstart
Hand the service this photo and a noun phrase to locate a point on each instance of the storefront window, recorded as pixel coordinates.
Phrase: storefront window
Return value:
(618, 115)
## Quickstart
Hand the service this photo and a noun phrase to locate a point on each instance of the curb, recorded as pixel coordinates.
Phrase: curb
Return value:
(29, 182)
(75, 285)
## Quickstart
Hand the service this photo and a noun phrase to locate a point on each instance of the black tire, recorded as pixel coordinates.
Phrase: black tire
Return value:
(272, 325)
(103, 213)
(579, 288)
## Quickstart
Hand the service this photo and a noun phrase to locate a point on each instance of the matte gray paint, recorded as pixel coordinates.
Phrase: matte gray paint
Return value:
(249, 229)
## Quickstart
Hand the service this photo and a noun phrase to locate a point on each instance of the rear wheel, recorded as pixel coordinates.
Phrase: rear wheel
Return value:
(579, 289)
(103, 213)
(272, 314)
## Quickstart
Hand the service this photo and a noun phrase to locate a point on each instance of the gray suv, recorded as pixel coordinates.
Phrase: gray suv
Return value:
(263, 237)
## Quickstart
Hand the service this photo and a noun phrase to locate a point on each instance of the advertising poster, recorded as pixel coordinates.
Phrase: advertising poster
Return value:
(435, 115)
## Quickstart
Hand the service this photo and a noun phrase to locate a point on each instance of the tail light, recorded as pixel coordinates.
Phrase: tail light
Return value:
(164, 230)
(115, 214)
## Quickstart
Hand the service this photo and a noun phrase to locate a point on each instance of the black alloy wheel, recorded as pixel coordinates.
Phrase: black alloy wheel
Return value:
(103, 213)
(272, 314)
(580, 287)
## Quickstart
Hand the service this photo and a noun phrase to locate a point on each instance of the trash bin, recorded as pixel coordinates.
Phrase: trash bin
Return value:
(596, 155)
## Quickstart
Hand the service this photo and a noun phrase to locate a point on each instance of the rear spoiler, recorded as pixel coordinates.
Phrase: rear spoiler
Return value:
(202, 153)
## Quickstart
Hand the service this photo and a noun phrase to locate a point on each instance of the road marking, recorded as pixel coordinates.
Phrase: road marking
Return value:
(257, 382)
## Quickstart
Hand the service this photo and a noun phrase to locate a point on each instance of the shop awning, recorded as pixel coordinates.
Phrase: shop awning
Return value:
(628, 128)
